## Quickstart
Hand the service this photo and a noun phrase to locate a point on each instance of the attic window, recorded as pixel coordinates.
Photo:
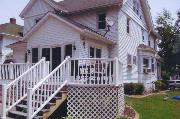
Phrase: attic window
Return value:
(102, 21)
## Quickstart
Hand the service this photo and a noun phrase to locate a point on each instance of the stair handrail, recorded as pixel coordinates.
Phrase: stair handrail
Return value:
(16, 91)
(47, 88)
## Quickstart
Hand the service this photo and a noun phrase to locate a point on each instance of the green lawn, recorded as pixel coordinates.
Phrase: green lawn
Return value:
(153, 107)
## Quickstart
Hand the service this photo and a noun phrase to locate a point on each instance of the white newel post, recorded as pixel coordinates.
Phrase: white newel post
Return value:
(4, 96)
(47, 67)
(29, 103)
(68, 69)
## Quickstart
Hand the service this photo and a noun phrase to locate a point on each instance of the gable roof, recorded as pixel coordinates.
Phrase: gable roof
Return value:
(147, 14)
(16, 44)
(31, 3)
(68, 6)
(83, 30)
(144, 47)
(11, 29)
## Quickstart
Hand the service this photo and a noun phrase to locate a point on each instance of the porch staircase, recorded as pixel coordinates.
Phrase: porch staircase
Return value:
(38, 93)
(20, 111)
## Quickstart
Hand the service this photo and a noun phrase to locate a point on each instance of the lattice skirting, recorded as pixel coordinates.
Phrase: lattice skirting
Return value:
(95, 102)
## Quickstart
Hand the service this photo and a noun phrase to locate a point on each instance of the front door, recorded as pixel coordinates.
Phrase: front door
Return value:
(46, 53)
(56, 57)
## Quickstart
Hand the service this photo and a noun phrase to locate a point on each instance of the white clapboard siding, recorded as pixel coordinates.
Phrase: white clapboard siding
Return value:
(128, 9)
(127, 44)
(38, 10)
(54, 33)
(19, 54)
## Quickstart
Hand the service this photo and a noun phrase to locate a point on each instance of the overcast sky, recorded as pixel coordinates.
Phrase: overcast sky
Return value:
(12, 8)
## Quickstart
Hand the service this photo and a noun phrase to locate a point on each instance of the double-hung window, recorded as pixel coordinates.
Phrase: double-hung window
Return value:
(143, 36)
(101, 20)
(153, 65)
(95, 52)
(128, 25)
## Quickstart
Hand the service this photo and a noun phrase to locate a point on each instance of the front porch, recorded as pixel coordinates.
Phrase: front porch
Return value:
(38, 85)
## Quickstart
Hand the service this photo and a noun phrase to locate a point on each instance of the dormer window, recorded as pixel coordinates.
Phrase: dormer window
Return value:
(102, 21)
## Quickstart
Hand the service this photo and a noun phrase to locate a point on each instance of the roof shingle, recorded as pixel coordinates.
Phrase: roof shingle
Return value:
(80, 5)
(10, 28)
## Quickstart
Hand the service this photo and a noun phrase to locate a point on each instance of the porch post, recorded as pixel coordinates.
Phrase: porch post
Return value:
(116, 67)
(4, 96)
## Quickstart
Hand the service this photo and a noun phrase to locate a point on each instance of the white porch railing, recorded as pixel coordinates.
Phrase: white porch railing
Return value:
(14, 92)
(13, 70)
(73, 72)
(47, 88)
(95, 71)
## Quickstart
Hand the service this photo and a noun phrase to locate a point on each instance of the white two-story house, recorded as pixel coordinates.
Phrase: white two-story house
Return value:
(9, 33)
(86, 29)
(110, 42)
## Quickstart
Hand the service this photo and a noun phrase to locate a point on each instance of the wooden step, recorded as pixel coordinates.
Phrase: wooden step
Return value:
(64, 91)
(9, 118)
(18, 113)
(38, 117)
(53, 108)
(22, 106)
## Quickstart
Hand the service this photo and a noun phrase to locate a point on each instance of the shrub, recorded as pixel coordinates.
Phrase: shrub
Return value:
(133, 89)
(160, 85)
(122, 117)
(139, 89)
(129, 89)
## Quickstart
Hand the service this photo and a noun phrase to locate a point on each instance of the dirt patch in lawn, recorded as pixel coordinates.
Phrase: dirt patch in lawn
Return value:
(131, 113)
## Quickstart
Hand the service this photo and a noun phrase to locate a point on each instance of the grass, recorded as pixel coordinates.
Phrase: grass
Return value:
(153, 107)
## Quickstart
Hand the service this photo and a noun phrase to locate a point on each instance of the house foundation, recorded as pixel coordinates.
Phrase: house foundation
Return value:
(95, 102)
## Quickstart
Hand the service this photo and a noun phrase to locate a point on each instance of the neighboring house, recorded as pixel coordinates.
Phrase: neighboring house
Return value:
(109, 42)
(9, 33)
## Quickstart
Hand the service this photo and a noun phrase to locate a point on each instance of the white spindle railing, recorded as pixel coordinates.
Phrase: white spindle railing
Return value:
(47, 88)
(13, 70)
(94, 71)
(14, 92)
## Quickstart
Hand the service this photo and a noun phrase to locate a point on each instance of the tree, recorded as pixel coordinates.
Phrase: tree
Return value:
(177, 42)
(165, 29)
